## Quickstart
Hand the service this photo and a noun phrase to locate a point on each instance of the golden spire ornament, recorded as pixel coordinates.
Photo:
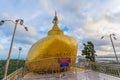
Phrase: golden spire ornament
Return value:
(55, 29)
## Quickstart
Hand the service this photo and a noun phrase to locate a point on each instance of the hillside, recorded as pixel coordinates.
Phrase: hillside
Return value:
(12, 66)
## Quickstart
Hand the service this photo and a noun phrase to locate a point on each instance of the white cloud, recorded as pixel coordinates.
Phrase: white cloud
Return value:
(46, 6)
(86, 20)
(2, 47)
(79, 53)
(3, 40)
(94, 29)
(109, 48)
(114, 6)
(31, 31)
(106, 53)
(21, 34)
(35, 15)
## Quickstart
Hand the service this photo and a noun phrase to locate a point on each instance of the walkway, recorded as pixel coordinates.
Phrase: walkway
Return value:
(82, 75)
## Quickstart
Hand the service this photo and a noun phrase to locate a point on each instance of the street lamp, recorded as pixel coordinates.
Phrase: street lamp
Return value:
(18, 21)
(112, 36)
(20, 49)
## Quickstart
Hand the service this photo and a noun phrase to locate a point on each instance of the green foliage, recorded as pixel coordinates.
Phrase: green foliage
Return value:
(88, 51)
(106, 68)
(12, 66)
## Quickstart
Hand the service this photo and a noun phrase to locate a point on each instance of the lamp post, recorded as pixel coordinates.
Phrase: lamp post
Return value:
(18, 21)
(112, 36)
(20, 49)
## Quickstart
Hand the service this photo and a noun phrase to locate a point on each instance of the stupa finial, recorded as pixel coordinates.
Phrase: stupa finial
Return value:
(55, 29)
(55, 13)
(55, 20)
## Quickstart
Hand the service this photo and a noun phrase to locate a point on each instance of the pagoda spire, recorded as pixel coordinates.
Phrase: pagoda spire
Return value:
(55, 29)
(55, 20)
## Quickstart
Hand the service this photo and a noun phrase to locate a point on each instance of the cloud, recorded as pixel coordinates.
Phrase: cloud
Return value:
(102, 26)
(2, 47)
(22, 36)
(82, 19)
(93, 29)
(108, 48)
(88, 21)
(3, 40)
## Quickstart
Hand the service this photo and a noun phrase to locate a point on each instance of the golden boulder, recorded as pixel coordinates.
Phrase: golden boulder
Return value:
(45, 54)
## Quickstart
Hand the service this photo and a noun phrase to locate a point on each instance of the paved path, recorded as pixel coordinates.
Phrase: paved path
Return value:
(83, 75)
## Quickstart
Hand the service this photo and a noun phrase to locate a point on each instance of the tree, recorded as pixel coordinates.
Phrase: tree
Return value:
(12, 66)
(88, 51)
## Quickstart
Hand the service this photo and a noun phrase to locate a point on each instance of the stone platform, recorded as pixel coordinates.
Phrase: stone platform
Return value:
(71, 75)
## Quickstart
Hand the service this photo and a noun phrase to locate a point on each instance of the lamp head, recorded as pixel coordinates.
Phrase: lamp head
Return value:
(102, 37)
(2, 22)
(115, 38)
(21, 22)
(113, 34)
(20, 48)
(26, 28)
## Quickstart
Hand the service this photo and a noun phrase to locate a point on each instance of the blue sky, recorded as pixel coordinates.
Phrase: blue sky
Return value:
(85, 20)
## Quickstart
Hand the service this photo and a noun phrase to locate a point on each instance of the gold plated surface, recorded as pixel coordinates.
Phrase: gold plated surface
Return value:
(44, 54)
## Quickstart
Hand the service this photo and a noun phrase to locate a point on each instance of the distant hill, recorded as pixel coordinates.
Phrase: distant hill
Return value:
(12, 66)
(103, 56)
(108, 56)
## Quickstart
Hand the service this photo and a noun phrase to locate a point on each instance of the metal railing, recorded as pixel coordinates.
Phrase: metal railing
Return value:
(110, 69)
(16, 75)
(48, 65)
(54, 68)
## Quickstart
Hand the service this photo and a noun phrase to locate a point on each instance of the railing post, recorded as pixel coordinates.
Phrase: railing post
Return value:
(118, 72)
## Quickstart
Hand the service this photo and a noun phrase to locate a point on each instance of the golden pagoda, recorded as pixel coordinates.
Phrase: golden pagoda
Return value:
(52, 52)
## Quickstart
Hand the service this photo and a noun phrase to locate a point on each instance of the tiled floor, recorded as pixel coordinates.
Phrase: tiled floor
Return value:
(82, 75)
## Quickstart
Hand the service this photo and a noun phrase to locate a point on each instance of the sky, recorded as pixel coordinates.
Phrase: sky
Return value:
(84, 20)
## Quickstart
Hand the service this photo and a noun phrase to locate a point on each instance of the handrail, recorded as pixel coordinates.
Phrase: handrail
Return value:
(16, 74)
(110, 69)
(53, 58)
(20, 72)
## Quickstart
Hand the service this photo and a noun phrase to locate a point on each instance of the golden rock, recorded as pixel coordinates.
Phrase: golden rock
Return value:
(45, 53)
